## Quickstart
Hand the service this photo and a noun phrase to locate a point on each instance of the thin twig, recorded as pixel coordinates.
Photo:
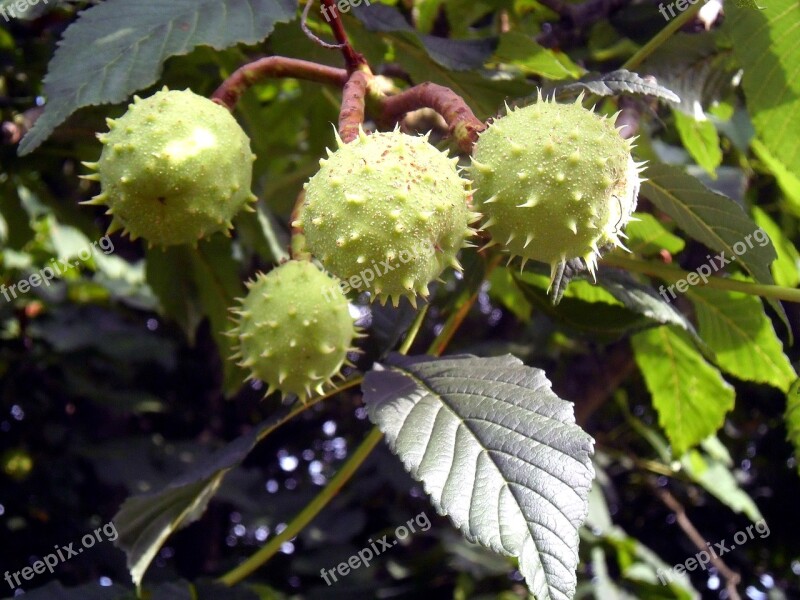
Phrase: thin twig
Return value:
(464, 126)
(229, 92)
(310, 34)
(352, 59)
(305, 516)
(732, 578)
(671, 274)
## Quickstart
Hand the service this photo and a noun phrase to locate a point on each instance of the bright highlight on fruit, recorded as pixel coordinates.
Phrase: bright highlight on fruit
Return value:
(175, 168)
(556, 182)
(294, 329)
(389, 203)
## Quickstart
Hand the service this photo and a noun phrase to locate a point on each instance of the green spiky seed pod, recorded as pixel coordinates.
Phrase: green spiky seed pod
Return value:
(175, 168)
(556, 182)
(294, 329)
(387, 213)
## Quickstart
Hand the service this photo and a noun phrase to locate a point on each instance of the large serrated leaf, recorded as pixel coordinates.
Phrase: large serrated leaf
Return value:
(742, 337)
(497, 451)
(712, 219)
(765, 42)
(690, 395)
(119, 47)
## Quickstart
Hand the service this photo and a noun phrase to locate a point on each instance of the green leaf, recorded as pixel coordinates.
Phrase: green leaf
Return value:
(690, 395)
(497, 451)
(595, 312)
(701, 140)
(748, 4)
(786, 268)
(645, 301)
(712, 219)
(765, 42)
(426, 13)
(788, 182)
(145, 522)
(524, 53)
(717, 479)
(648, 236)
(745, 344)
(603, 586)
(118, 47)
(580, 289)
(167, 272)
(694, 67)
(792, 418)
(482, 93)
(638, 564)
(617, 82)
(216, 273)
(503, 288)
(458, 55)
(192, 284)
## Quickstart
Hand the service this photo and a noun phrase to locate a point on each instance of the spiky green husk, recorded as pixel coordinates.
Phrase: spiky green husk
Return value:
(388, 207)
(294, 329)
(175, 168)
(555, 181)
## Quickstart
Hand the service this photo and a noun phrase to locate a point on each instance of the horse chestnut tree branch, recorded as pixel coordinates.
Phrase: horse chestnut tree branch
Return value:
(451, 278)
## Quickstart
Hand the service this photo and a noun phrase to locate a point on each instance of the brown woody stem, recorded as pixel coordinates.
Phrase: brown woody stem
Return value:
(229, 92)
(463, 124)
(351, 115)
